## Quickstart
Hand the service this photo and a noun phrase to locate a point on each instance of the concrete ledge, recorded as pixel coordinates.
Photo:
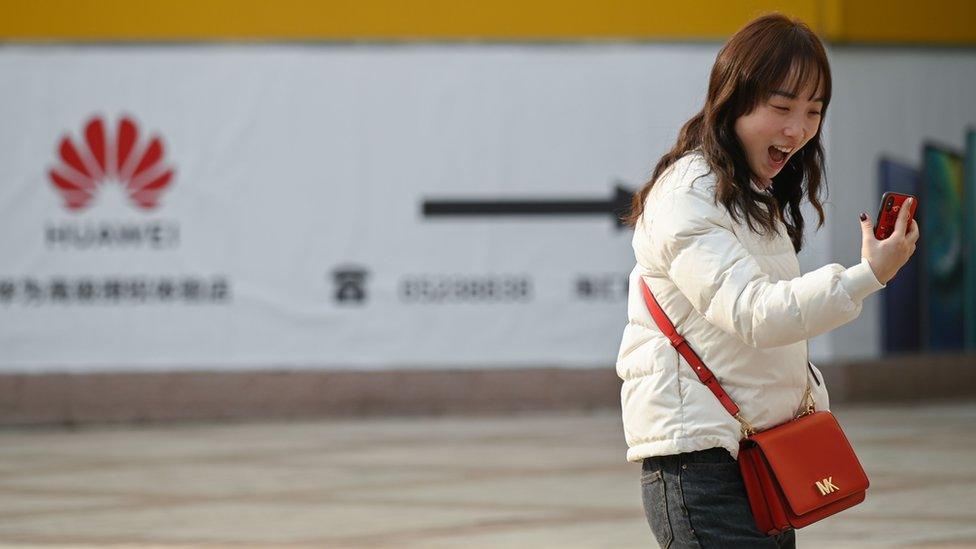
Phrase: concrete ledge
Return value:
(100, 397)
(36, 399)
(902, 378)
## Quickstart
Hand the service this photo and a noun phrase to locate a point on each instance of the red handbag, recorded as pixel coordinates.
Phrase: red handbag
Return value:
(796, 473)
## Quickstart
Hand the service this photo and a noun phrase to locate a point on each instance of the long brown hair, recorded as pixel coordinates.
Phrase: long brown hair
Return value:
(756, 60)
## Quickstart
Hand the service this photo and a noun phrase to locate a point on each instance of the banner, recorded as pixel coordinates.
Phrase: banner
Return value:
(338, 207)
(378, 206)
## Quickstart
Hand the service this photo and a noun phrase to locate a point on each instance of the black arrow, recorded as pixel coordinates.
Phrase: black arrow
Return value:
(618, 206)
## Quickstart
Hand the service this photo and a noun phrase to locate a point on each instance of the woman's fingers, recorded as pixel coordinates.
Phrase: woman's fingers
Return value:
(901, 224)
(913, 233)
(867, 229)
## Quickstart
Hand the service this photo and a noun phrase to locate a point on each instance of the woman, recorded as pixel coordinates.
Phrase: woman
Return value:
(716, 233)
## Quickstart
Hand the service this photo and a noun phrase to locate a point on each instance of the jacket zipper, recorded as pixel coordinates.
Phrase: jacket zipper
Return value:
(810, 367)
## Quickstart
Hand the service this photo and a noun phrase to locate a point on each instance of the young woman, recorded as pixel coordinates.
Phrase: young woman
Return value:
(716, 233)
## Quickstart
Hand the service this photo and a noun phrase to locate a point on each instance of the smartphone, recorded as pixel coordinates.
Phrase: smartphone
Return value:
(891, 204)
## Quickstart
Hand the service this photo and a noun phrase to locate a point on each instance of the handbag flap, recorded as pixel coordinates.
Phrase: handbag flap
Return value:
(812, 460)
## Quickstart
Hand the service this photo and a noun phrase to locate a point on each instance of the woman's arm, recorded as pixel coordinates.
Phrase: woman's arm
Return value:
(724, 283)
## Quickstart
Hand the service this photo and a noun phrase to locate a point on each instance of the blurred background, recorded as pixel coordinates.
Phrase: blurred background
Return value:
(256, 253)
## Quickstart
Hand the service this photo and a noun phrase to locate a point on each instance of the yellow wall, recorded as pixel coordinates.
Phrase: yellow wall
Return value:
(945, 22)
(854, 21)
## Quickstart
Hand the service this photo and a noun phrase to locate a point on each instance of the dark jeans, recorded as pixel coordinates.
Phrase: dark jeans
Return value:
(697, 499)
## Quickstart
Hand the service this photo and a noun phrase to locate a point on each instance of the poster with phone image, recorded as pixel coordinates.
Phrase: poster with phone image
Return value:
(901, 301)
(943, 253)
(969, 191)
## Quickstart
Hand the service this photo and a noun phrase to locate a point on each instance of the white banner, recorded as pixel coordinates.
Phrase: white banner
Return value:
(338, 207)
(186, 207)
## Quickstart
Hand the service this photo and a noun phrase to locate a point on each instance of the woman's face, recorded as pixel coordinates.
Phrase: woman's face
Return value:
(777, 128)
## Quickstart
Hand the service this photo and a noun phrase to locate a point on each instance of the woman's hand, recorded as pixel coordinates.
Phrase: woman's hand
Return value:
(888, 255)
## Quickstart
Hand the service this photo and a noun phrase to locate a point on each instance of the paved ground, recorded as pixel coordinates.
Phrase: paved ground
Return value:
(541, 480)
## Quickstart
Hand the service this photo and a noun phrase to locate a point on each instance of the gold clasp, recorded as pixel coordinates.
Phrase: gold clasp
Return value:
(810, 407)
(746, 428)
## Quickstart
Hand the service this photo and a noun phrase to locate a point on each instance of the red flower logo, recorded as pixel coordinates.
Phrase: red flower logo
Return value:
(101, 159)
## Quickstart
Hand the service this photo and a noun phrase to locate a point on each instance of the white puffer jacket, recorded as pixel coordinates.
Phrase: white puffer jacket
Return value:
(740, 302)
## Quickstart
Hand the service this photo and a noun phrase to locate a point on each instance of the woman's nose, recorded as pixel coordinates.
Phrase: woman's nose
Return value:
(794, 131)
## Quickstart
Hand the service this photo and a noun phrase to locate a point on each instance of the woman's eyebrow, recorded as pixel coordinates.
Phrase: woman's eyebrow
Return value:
(789, 95)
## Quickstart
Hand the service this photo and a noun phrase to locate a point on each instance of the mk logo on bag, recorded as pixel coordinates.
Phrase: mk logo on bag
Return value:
(826, 486)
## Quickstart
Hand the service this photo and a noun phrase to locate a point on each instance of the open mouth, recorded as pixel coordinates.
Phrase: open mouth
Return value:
(778, 155)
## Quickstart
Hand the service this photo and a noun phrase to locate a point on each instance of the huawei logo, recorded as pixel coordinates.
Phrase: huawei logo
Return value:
(111, 159)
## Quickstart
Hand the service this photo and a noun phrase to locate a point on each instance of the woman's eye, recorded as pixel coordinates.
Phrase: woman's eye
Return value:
(815, 113)
(784, 109)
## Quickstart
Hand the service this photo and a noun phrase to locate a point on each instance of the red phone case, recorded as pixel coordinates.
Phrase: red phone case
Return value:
(891, 204)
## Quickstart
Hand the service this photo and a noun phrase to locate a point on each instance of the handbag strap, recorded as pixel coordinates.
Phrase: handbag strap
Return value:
(704, 374)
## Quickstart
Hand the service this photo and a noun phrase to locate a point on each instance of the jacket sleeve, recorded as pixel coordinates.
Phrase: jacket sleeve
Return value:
(722, 280)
